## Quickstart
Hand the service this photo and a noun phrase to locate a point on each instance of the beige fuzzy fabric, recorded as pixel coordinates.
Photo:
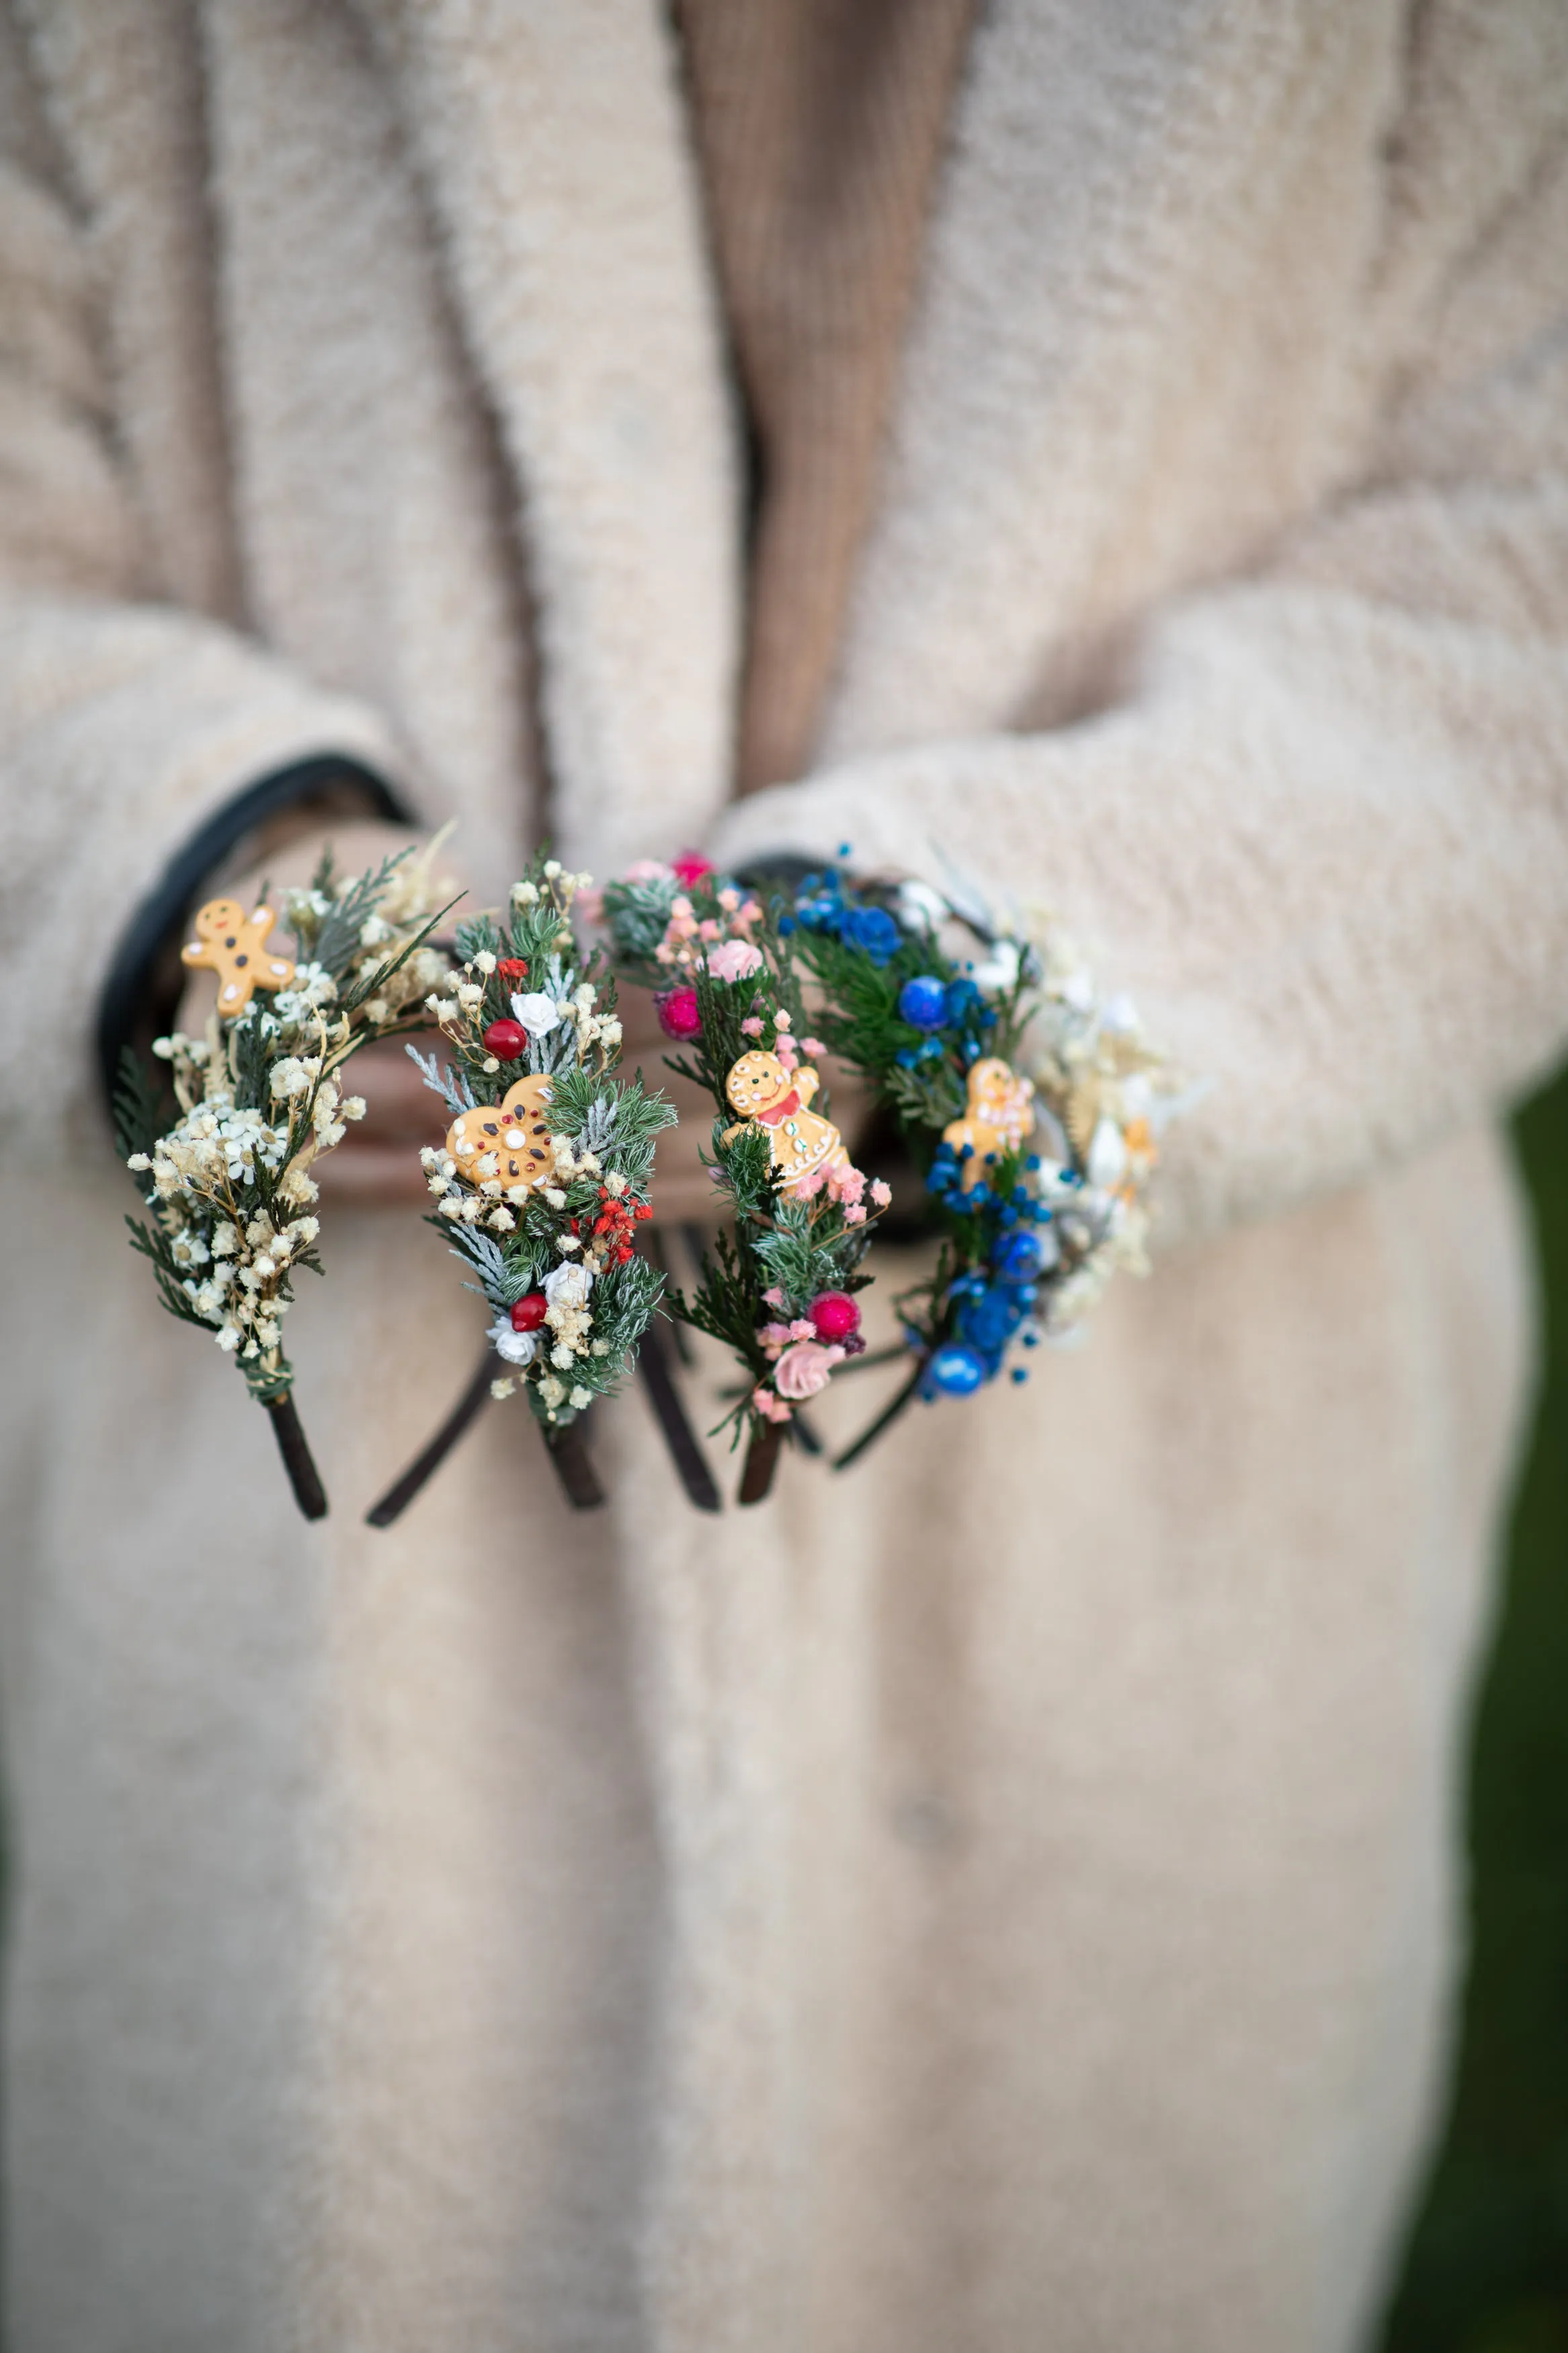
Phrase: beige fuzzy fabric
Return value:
(1008, 1898)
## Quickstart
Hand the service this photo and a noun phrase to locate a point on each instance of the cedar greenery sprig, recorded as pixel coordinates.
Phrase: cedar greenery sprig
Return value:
(227, 1187)
(546, 1222)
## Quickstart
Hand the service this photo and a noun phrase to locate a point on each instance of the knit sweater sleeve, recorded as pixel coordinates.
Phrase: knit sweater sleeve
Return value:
(125, 721)
(1323, 837)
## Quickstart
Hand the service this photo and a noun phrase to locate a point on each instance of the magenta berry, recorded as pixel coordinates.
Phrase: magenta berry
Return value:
(678, 1014)
(836, 1315)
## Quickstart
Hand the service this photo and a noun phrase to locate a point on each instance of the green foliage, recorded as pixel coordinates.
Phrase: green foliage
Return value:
(1487, 2267)
(141, 1109)
(636, 914)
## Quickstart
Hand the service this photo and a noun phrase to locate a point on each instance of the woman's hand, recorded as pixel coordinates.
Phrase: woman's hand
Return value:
(377, 1164)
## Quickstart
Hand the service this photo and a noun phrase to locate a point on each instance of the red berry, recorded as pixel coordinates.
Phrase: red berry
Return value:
(506, 1040)
(678, 1014)
(528, 1313)
(835, 1315)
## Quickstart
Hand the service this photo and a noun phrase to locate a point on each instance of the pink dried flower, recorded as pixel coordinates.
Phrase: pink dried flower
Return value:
(774, 1337)
(806, 1369)
(752, 1026)
(729, 900)
(773, 1296)
(735, 960)
(781, 1018)
(803, 1329)
(845, 1183)
(855, 1215)
(788, 1059)
(882, 1193)
(691, 866)
(767, 1404)
(813, 1046)
(648, 870)
(805, 1187)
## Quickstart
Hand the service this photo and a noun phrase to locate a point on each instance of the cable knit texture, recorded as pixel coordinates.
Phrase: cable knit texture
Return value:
(1008, 1896)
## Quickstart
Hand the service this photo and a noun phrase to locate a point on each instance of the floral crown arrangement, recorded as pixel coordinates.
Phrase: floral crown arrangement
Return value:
(543, 1179)
(778, 1288)
(227, 1186)
(1031, 1105)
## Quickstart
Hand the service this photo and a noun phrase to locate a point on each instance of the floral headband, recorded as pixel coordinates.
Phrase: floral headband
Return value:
(543, 1179)
(226, 1185)
(777, 1287)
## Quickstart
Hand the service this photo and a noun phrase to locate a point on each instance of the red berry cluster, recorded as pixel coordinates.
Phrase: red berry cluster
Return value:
(616, 1224)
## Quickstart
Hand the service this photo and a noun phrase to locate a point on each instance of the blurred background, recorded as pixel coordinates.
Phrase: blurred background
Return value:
(1486, 2270)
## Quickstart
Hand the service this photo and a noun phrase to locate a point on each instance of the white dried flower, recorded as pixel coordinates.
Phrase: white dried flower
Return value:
(538, 1014)
(485, 962)
(517, 1348)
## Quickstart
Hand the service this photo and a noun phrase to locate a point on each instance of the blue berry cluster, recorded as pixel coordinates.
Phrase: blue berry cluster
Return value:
(997, 1305)
(821, 906)
(951, 1012)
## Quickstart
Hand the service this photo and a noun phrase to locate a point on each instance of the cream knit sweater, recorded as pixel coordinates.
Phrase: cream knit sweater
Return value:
(1006, 1899)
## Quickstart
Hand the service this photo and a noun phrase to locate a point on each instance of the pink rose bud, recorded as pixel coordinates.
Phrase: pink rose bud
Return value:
(805, 1369)
(734, 960)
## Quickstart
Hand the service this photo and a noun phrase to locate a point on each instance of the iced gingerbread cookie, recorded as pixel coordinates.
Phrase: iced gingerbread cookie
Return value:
(760, 1087)
(233, 945)
(998, 1116)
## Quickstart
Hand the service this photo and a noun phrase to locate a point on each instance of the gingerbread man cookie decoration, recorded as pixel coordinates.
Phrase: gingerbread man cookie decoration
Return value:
(511, 1132)
(233, 945)
(998, 1115)
(801, 1141)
